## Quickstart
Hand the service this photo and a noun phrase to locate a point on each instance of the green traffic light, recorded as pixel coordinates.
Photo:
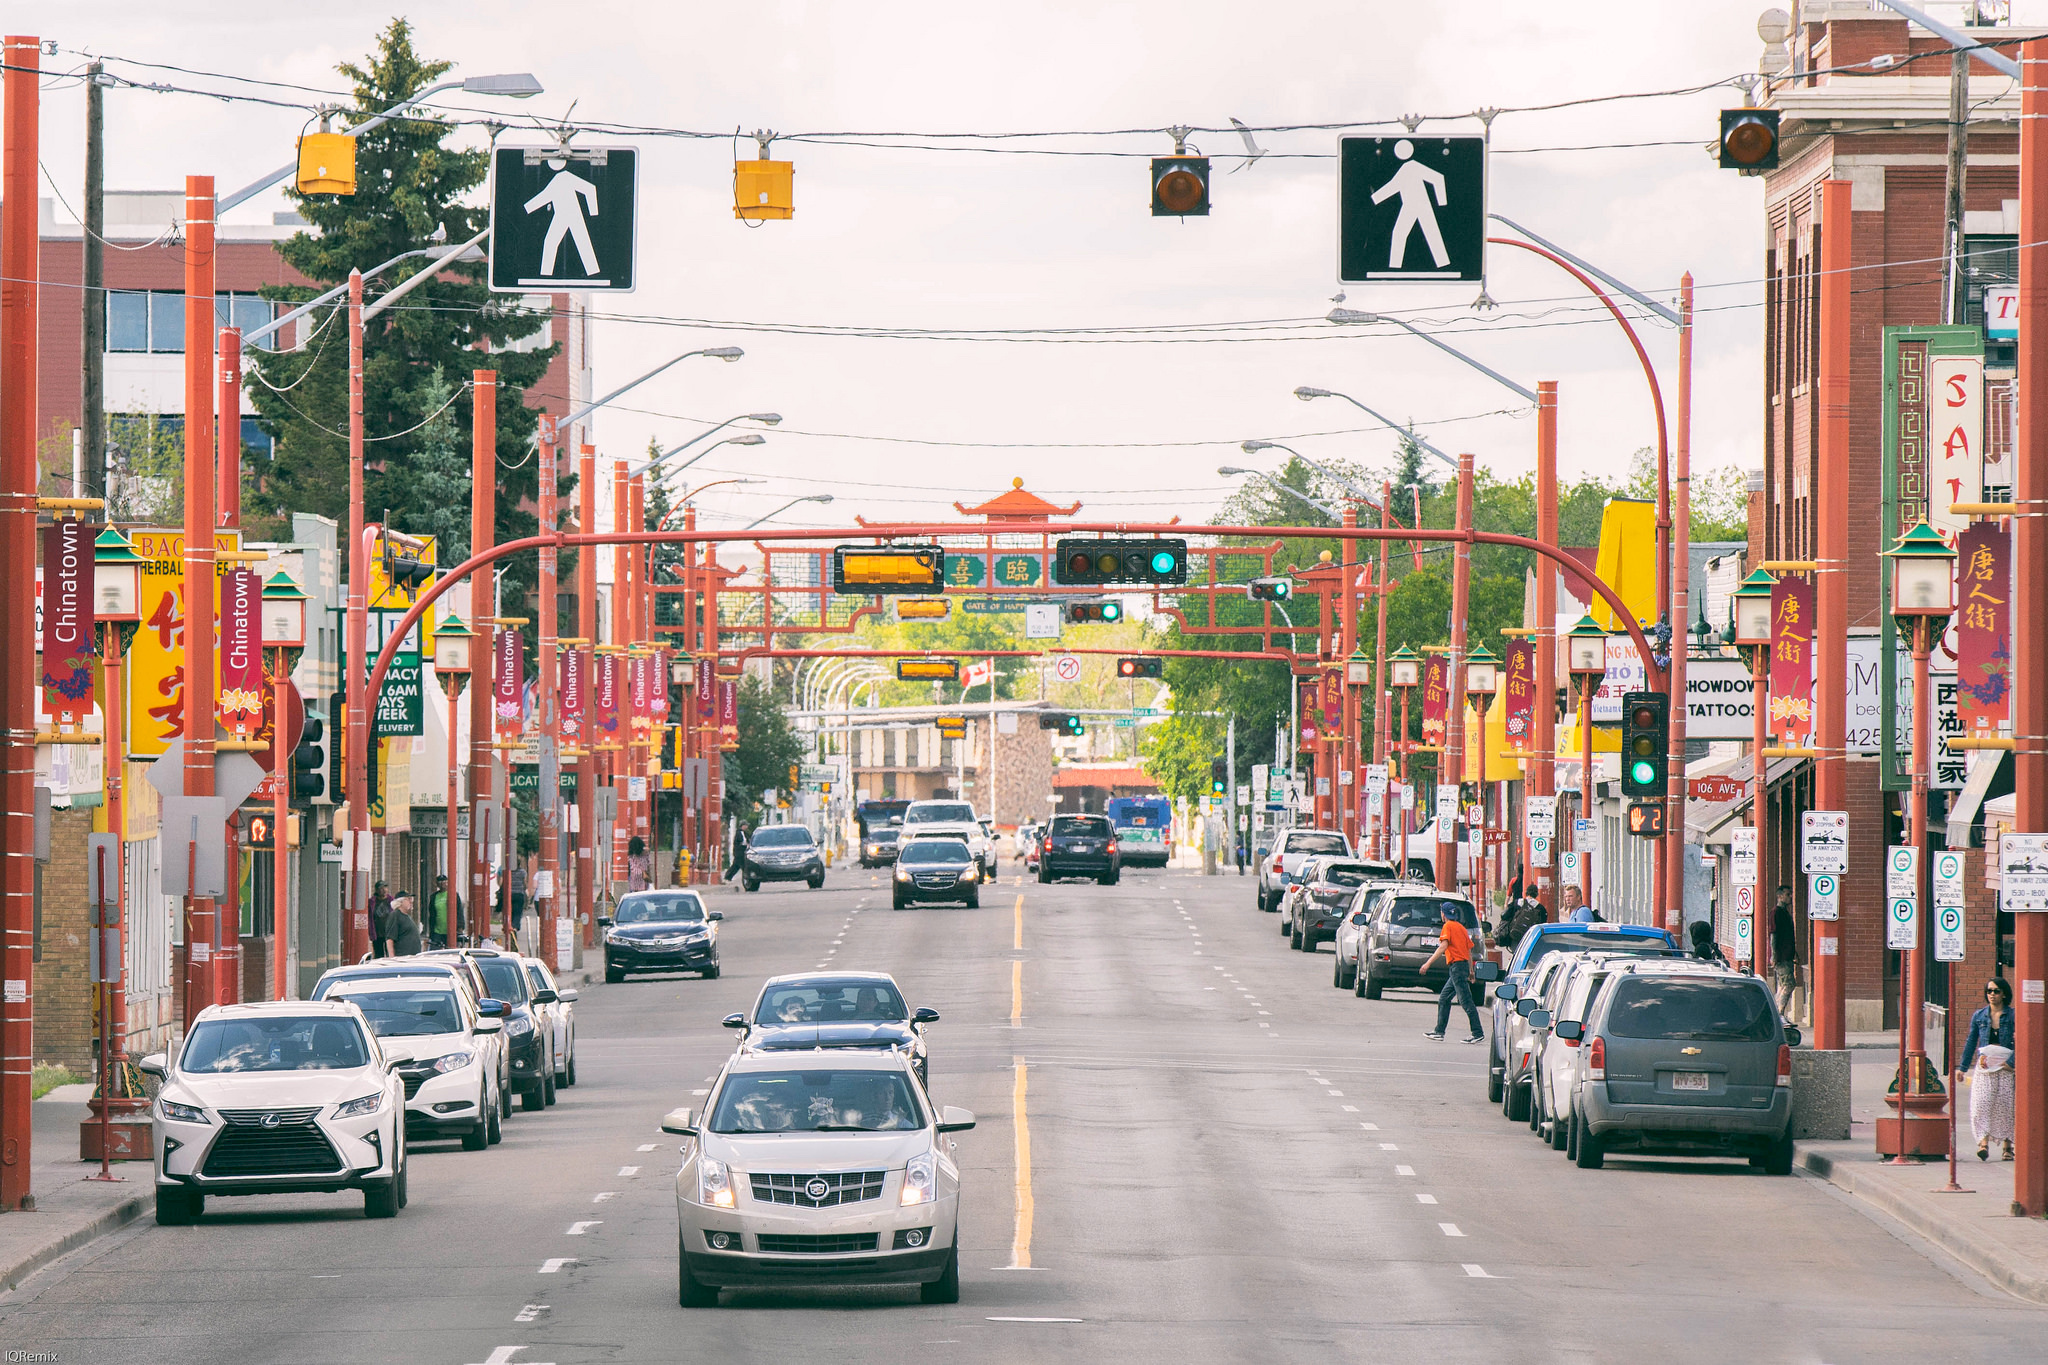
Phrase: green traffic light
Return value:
(1642, 772)
(1163, 562)
(1112, 612)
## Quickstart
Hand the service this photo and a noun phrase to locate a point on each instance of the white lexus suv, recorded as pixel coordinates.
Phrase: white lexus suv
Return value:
(825, 1168)
(285, 1097)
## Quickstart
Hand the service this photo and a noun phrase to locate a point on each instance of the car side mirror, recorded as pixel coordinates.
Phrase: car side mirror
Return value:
(925, 1015)
(716, 915)
(1487, 971)
(678, 1121)
(491, 1008)
(1792, 1035)
(604, 921)
(490, 1025)
(953, 1119)
(155, 1064)
(735, 1021)
(1525, 1008)
(566, 994)
(1571, 1030)
(1506, 991)
(545, 997)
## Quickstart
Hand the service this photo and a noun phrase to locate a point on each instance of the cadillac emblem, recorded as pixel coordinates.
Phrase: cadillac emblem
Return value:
(817, 1189)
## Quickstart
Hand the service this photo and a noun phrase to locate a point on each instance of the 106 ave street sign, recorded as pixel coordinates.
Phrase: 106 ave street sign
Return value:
(562, 218)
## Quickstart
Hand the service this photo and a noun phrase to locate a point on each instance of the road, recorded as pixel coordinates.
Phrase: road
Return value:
(1190, 1148)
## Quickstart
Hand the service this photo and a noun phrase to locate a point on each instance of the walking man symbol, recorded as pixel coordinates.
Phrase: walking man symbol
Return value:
(1414, 182)
(562, 194)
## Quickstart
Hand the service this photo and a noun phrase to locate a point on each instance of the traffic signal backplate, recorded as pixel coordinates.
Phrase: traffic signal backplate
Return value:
(1080, 562)
(1749, 140)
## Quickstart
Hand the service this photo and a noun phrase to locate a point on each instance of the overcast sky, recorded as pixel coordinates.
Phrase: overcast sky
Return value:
(936, 239)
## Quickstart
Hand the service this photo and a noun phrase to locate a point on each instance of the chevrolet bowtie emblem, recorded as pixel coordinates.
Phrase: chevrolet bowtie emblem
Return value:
(1690, 1051)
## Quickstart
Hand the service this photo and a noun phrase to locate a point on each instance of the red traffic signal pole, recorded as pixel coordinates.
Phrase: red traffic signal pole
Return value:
(1831, 595)
(586, 737)
(483, 512)
(1542, 768)
(203, 934)
(1451, 765)
(1673, 848)
(355, 924)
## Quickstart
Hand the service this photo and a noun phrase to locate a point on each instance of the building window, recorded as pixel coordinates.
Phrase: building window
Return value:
(153, 321)
(246, 312)
(127, 321)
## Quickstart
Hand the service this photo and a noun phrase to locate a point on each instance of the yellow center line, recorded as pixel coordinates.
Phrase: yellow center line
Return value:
(1020, 1245)
(1017, 994)
(1019, 943)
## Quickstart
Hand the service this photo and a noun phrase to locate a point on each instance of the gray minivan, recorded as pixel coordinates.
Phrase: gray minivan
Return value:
(1681, 1062)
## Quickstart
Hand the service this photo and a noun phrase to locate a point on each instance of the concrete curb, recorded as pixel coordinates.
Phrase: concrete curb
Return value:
(1994, 1262)
(119, 1216)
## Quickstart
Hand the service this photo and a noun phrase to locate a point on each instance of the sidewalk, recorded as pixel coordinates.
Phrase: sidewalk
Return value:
(70, 1210)
(1976, 1228)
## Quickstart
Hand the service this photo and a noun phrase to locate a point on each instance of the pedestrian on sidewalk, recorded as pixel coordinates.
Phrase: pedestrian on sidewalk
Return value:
(1784, 952)
(1454, 950)
(440, 923)
(380, 908)
(1990, 1047)
(401, 930)
(1704, 948)
(639, 869)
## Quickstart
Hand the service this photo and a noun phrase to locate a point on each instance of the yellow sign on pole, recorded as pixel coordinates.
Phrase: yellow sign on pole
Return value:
(156, 660)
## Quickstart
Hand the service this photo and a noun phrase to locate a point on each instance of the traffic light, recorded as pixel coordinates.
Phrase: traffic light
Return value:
(1749, 139)
(1063, 724)
(928, 670)
(337, 762)
(1272, 589)
(1645, 743)
(259, 832)
(1088, 563)
(1141, 668)
(795, 778)
(1219, 777)
(408, 572)
(869, 569)
(1093, 613)
(1180, 187)
(309, 764)
(1646, 818)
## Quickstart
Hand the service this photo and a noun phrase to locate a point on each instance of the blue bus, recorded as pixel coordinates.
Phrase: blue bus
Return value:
(1144, 827)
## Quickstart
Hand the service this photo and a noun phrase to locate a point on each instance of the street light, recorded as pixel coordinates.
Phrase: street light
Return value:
(813, 497)
(1586, 656)
(284, 613)
(1306, 393)
(769, 419)
(1228, 471)
(116, 578)
(1482, 679)
(749, 438)
(1404, 670)
(283, 616)
(1353, 316)
(1254, 447)
(726, 353)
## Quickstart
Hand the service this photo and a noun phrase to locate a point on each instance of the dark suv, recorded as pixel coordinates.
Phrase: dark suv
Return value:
(782, 853)
(1080, 846)
(1325, 898)
(529, 1043)
(1402, 936)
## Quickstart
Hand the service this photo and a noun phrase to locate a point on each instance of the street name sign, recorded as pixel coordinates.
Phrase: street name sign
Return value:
(1411, 208)
(562, 218)
(1948, 933)
(1824, 896)
(2023, 872)
(1824, 841)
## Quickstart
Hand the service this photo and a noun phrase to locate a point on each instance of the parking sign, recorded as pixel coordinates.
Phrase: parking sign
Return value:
(1902, 922)
(1824, 896)
(1948, 878)
(1948, 933)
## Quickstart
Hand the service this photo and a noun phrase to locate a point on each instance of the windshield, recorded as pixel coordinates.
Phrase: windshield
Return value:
(503, 979)
(934, 851)
(663, 907)
(816, 1102)
(831, 1002)
(397, 1012)
(1317, 843)
(1351, 874)
(1087, 826)
(275, 1043)
(781, 836)
(1547, 944)
(940, 812)
(1670, 1007)
(1420, 912)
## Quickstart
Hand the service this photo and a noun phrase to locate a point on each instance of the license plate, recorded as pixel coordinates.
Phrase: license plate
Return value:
(1688, 1080)
(1429, 943)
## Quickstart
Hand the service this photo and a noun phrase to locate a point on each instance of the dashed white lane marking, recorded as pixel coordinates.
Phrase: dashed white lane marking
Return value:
(1388, 1147)
(629, 1170)
(502, 1355)
(1450, 1229)
(650, 1146)
(1479, 1273)
(1037, 1319)
(1425, 1198)
(1404, 1170)
(1265, 1026)
(1333, 1092)
(530, 1312)
(1208, 988)
(580, 1229)
(1370, 1127)
(603, 1195)
(1348, 1108)
(699, 1092)
(555, 1263)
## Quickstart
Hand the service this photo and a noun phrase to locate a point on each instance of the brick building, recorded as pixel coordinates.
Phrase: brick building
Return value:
(1882, 127)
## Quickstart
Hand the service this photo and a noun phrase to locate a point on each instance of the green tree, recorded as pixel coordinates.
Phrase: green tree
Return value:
(768, 746)
(412, 189)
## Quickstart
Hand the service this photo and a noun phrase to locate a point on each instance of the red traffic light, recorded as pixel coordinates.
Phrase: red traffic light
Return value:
(1141, 668)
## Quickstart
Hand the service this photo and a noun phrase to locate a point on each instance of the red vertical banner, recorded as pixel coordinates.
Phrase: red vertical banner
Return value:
(604, 696)
(658, 680)
(1520, 676)
(707, 689)
(574, 694)
(1792, 651)
(729, 711)
(640, 690)
(1983, 628)
(241, 650)
(67, 620)
(1333, 699)
(508, 665)
(1436, 698)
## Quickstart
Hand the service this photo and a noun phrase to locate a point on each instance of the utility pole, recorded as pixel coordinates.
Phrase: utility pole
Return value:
(548, 803)
(1230, 768)
(93, 421)
(586, 731)
(1955, 274)
(1451, 765)
(1831, 595)
(355, 924)
(483, 613)
(1673, 848)
(204, 936)
(1542, 769)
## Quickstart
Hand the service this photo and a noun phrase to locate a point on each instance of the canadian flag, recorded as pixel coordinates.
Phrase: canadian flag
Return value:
(978, 674)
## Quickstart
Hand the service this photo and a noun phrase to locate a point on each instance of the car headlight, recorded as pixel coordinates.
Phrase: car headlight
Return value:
(920, 1180)
(453, 1061)
(714, 1183)
(902, 873)
(181, 1113)
(971, 874)
(611, 939)
(519, 1024)
(359, 1108)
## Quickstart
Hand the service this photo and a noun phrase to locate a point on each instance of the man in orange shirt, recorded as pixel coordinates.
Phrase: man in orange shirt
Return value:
(1454, 947)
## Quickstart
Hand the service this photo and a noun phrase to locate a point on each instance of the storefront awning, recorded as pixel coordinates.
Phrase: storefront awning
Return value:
(1707, 822)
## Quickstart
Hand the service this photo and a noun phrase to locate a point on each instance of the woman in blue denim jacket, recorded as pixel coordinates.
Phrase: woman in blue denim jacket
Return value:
(1991, 1087)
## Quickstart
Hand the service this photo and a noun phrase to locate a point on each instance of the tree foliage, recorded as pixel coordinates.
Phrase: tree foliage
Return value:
(768, 744)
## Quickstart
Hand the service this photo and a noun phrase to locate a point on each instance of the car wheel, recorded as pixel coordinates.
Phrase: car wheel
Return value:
(1372, 986)
(1570, 1125)
(547, 1087)
(1496, 1077)
(1116, 877)
(710, 974)
(974, 899)
(946, 1288)
(1778, 1156)
(381, 1200)
(1358, 983)
(1516, 1103)
(177, 1206)
(479, 1135)
(1559, 1134)
(504, 1099)
(494, 1131)
(817, 883)
(569, 1067)
(404, 1168)
(613, 975)
(1284, 930)
(532, 1100)
(1044, 876)
(1337, 973)
(750, 883)
(690, 1291)
(896, 902)
(1295, 941)
(1592, 1151)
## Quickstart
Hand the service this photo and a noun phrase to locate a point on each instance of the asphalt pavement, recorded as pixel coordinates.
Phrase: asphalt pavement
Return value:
(1190, 1148)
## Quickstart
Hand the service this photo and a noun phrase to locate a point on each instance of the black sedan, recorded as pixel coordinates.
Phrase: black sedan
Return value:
(937, 869)
(782, 853)
(660, 931)
(815, 1011)
(1080, 846)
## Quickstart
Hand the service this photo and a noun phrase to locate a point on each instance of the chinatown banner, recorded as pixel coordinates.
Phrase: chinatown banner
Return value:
(67, 620)
(1436, 698)
(1519, 715)
(1983, 629)
(575, 694)
(640, 689)
(1791, 713)
(660, 681)
(707, 689)
(1333, 699)
(508, 665)
(241, 650)
(605, 688)
(729, 712)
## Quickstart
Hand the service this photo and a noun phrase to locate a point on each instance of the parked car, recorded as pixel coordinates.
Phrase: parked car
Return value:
(836, 1173)
(283, 1097)
(1295, 845)
(782, 853)
(561, 1017)
(1682, 1058)
(879, 848)
(1538, 943)
(1566, 999)
(937, 868)
(1351, 930)
(526, 1039)
(1142, 846)
(1032, 845)
(1080, 846)
(819, 1011)
(1022, 842)
(660, 931)
(1319, 904)
(443, 1050)
(1402, 935)
(461, 973)
(952, 817)
(1515, 1038)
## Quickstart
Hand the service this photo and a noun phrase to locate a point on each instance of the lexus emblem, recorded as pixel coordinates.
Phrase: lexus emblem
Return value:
(817, 1189)
(269, 1120)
